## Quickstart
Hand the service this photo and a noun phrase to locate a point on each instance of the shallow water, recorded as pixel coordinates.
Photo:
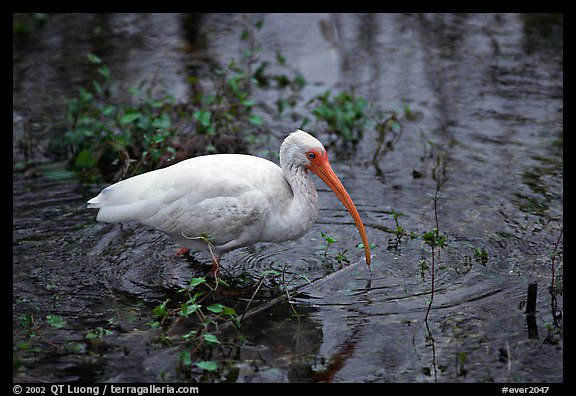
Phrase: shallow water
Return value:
(488, 93)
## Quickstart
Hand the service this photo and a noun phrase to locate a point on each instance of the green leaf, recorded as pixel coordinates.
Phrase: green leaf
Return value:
(300, 81)
(130, 117)
(229, 311)
(190, 334)
(327, 238)
(255, 119)
(163, 122)
(85, 96)
(247, 103)
(361, 245)
(105, 72)
(395, 215)
(161, 310)
(85, 159)
(195, 282)
(93, 59)
(185, 357)
(203, 117)
(210, 338)
(154, 325)
(280, 58)
(23, 346)
(441, 240)
(281, 105)
(135, 91)
(55, 321)
(97, 87)
(108, 110)
(98, 332)
(73, 346)
(216, 308)
(189, 308)
(158, 138)
(208, 365)
(26, 320)
(429, 236)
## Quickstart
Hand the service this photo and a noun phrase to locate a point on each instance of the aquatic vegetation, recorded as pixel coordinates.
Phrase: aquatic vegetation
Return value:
(98, 332)
(399, 232)
(480, 254)
(114, 133)
(344, 114)
(196, 344)
(329, 241)
(120, 140)
(116, 139)
(435, 240)
(340, 257)
(55, 321)
(107, 137)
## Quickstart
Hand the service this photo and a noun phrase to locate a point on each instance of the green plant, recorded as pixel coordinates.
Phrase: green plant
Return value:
(98, 333)
(480, 254)
(344, 114)
(227, 108)
(399, 231)
(389, 129)
(340, 256)
(197, 342)
(329, 241)
(106, 136)
(287, 81)
(55, 321)
(435, 240)
(116, 138)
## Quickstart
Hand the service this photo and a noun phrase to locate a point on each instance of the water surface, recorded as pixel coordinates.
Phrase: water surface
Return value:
(487, 94)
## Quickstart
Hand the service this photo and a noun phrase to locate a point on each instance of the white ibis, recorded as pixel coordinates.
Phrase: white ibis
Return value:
(228, 201)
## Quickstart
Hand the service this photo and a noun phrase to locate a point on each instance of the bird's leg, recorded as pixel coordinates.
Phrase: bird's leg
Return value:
(215, 270)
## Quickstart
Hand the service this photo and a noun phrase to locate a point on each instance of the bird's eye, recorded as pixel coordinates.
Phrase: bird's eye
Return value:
(311, 155)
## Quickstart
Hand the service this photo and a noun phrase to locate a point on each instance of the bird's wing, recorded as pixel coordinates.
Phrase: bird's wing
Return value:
(222, 196)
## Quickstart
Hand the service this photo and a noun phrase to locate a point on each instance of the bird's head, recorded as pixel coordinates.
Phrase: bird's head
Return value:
(301, 149)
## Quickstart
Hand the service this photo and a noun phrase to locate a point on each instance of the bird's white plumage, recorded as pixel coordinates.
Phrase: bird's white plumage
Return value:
(235, 199)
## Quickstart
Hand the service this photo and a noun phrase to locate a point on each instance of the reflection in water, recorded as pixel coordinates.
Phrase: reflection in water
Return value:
(531, 311)
(442, 40)
(432, 344)
(556, 289)
(280, 345)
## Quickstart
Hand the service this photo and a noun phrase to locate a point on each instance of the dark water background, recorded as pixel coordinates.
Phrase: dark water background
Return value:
(487, 93)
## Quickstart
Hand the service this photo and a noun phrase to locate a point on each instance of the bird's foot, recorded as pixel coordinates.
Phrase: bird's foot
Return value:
(182, 251)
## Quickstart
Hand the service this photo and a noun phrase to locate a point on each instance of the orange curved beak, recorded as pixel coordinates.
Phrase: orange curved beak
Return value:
(324, 171)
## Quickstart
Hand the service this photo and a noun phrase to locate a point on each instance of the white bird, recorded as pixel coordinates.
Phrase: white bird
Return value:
(228, 201)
